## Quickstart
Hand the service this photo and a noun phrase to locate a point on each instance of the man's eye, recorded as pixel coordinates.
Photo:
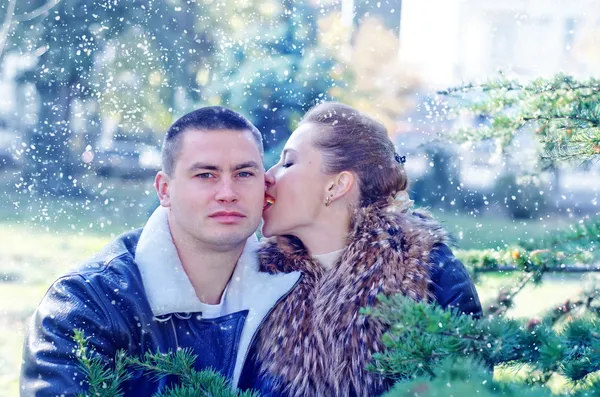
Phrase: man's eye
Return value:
(205, 175)
(287, 165)
(245, 174)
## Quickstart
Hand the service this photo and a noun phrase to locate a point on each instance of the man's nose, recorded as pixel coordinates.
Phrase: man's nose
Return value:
(226, 191)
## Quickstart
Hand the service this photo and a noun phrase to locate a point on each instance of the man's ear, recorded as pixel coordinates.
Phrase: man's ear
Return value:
(341, 185)
(161, 184)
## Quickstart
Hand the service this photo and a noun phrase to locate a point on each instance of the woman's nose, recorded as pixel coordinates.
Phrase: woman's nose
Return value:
(269, 178)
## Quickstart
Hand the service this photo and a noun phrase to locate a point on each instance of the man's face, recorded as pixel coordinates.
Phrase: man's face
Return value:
(216, 192)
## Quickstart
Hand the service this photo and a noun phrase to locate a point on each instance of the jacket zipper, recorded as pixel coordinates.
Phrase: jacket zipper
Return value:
(175, 333)
(282, 297)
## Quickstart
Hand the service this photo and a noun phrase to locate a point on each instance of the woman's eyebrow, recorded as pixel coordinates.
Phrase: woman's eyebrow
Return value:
(285, 151)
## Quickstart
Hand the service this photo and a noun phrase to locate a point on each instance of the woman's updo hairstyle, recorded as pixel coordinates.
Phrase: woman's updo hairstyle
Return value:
(352, 141)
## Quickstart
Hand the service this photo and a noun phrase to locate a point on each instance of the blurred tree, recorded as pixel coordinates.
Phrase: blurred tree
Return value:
(257, 57)
(65, 36)
(269, 64)
(388, 11)
(562, 113)
(8, 13)
(153, 40)
(367, 61)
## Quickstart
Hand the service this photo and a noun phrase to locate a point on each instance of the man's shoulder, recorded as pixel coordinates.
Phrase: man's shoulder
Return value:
(113, 264)
(119, 251)
(109, 276)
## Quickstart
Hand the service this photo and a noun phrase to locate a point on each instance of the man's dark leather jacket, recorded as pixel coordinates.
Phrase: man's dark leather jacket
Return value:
(107, 300)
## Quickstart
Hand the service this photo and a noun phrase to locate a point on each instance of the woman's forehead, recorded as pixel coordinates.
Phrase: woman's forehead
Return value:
(303, 137)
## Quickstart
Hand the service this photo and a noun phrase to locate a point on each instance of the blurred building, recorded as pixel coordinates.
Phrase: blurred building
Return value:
(450, 41)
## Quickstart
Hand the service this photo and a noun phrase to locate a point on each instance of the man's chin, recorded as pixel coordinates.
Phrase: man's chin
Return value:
(227, 241)
(232, 233)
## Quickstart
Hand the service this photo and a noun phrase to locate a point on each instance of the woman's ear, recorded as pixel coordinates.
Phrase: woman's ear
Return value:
(341, 185)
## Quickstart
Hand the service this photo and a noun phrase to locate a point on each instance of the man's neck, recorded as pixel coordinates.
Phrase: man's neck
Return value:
(208, 270)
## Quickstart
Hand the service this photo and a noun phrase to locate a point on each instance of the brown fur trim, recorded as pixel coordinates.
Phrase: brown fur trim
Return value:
(316, 342)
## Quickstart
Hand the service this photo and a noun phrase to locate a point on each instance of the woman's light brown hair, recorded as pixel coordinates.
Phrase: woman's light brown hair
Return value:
(352, 141)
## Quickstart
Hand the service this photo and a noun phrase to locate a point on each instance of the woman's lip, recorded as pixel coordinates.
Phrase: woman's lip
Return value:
(268, 202)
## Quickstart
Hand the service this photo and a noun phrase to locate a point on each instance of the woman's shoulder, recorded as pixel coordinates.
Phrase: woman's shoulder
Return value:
(451, 283)
(415, 228)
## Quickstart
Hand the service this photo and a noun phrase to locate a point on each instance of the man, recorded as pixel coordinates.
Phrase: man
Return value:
(188, 279)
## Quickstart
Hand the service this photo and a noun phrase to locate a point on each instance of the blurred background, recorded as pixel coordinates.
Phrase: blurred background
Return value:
(88, 89)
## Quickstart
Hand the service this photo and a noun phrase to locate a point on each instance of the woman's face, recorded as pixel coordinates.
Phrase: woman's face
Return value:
(298, 185)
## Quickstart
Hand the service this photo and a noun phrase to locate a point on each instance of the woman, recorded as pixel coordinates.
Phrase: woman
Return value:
(335, 218)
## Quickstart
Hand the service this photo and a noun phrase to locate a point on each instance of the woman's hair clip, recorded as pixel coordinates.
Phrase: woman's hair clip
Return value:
(400, 159)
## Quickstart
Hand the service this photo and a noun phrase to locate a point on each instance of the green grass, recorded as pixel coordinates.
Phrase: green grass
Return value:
(490, 231)
(29, 261)
(43, 238)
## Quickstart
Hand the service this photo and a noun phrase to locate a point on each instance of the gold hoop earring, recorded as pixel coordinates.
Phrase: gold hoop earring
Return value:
(327, 201)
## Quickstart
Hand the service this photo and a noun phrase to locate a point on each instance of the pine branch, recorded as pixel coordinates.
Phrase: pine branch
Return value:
(577, 246)
(462, 377)
(539, 86)
(505, 300)
(203, 384)
(160, 365)
(467, 377)
(572, 250)
(585, 301)
(104, 381)
(422, 336)
(561, 269)
(564, 112)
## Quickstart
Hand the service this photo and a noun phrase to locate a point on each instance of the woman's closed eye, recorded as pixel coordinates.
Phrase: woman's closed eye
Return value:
(286, 160)
(287, 164)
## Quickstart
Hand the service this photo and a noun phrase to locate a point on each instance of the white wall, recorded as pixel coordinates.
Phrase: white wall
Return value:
(449, 41)
(429, 38)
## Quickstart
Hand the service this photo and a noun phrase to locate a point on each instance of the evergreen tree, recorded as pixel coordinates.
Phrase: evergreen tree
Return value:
(562, 112)
(271, 69)
(106, 381)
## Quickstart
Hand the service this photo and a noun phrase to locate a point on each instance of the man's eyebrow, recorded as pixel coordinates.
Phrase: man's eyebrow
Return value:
(211, 167)
(204, 166)
(248, 164)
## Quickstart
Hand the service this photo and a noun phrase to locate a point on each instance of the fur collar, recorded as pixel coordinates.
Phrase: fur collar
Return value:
(316, 342)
